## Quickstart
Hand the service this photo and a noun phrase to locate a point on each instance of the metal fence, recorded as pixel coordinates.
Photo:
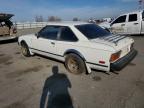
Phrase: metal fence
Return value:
(27, 25)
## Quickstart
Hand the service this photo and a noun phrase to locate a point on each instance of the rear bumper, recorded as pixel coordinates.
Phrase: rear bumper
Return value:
(121, 63)
(7, 38)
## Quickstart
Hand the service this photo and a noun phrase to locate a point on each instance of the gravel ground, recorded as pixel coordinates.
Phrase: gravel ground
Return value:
(37, 82)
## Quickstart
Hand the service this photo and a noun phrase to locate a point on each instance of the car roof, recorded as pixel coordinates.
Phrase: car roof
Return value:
(67, 23)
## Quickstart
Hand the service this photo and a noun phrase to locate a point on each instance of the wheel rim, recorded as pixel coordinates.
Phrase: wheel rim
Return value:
(73, 65)
(24, 50)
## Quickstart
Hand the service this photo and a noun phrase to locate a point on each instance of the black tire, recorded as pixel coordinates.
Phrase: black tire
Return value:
(75, 64)
(25, 50)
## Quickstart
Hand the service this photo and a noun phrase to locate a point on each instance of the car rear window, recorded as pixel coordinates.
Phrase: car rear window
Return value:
(92, 31)
(67, 35)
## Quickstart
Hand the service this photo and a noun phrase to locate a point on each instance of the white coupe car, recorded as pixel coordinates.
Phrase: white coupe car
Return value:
(82, 46)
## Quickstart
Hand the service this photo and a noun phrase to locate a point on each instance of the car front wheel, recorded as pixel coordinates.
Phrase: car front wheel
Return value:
(74, 64)
(25, 49)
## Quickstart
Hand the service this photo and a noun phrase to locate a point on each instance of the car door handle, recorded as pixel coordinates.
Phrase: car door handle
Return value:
(122, 24)
(136, 23)
(52, 43)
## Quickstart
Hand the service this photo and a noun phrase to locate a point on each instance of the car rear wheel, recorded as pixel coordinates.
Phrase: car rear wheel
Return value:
(74, 64)
(25, 50)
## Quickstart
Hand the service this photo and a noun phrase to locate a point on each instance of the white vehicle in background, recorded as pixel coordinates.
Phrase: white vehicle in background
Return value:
(82, 46)
(107, 19)
(105, 25)
(130, 23)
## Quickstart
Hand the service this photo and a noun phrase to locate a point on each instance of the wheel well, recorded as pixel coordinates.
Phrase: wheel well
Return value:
(78, 54)
(74, 52)
(22, 42)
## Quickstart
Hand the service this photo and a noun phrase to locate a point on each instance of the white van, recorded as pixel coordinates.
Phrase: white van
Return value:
(129, 23)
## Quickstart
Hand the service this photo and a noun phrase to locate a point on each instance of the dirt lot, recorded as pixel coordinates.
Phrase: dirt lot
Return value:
(31, 82)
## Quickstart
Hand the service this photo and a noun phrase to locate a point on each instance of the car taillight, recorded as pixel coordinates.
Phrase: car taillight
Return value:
(14, 30)
(132, 46)
(115, 56)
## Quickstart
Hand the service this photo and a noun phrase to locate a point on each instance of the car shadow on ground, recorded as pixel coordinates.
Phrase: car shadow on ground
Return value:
(8, 41)
(55, 92)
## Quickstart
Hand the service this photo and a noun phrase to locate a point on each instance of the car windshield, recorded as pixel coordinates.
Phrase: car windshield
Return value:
(92, 31)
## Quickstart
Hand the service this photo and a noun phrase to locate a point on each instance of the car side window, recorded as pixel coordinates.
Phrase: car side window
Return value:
(67, 35)
(121, 19)
(143, 15)
(49, 32)
(132, 17)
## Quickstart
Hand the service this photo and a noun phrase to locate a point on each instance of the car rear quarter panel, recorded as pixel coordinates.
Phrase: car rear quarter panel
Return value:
(92, 54)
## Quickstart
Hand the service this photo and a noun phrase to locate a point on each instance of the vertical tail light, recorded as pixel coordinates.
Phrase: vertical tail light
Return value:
(115, 56)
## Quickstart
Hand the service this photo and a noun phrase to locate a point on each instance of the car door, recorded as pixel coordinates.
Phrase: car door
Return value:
(119, 25)
(45, 43)
(134, 24)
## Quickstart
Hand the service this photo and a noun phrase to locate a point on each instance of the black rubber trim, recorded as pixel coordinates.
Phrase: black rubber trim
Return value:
(121, 63)
(63, 56)
(46, 52)
(75, 52)
(97, 64)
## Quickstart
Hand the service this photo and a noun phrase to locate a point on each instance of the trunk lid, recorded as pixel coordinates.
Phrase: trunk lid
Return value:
(5, 17)
(118, 42)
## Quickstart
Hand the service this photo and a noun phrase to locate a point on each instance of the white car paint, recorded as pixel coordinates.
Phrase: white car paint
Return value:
(94, 51)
